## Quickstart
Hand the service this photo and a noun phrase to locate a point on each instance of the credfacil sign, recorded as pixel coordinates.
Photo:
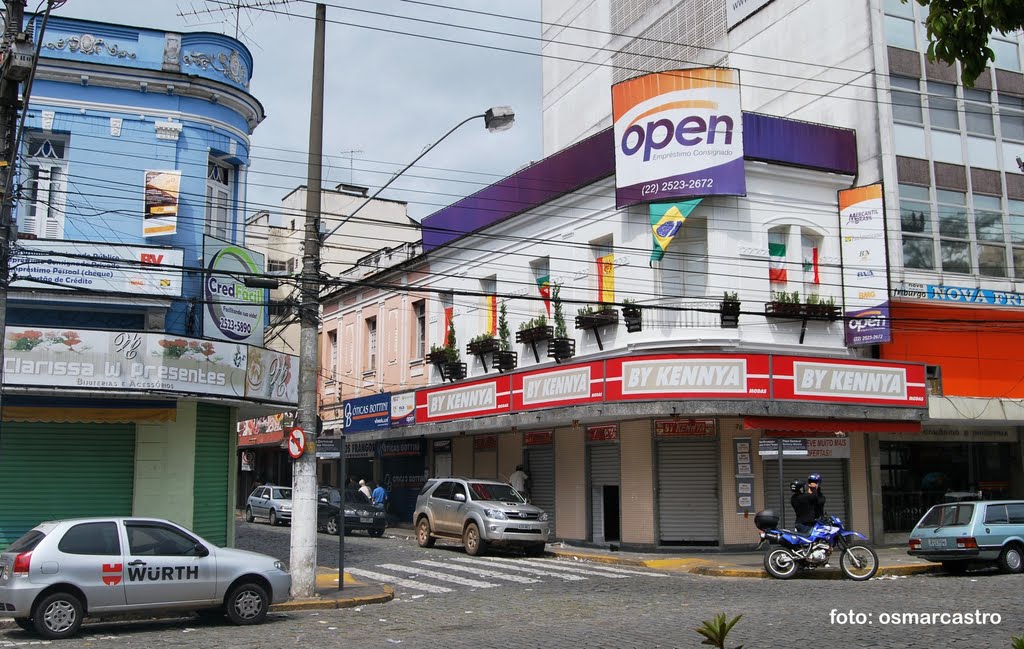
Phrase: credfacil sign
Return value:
(678, 134)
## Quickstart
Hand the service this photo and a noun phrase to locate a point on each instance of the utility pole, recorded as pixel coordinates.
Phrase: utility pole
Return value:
(303, 537)
(13, 71)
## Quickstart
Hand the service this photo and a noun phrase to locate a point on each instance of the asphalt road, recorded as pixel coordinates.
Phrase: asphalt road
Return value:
(509, 601)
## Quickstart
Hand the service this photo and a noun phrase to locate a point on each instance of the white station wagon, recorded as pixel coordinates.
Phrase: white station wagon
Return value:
(61, 571)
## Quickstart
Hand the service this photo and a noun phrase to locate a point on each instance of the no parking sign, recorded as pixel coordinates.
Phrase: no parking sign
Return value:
(296, 443)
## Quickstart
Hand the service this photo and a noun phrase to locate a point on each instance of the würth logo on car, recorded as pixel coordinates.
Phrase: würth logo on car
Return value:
(166, 573)
(111, 574)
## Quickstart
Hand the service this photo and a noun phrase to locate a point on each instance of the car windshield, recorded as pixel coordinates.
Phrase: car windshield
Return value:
(943, 515)
(282, 494)
(502, 492)
(27, 542)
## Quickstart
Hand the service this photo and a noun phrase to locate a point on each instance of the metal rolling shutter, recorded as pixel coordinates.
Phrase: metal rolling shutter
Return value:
(604, 470)
(540, 466)
(53, 471)
(833, 485)
(688, 507)
(210, 495)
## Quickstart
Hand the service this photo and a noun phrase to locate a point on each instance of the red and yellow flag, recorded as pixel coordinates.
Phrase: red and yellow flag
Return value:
(606, 278)
(491, 305)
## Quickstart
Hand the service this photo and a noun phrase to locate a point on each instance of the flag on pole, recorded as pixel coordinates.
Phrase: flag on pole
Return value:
(544, 288)
(491, 304)
(811, 272)
(776, 257)
(666, 221)
(606, 278)
(448, 313)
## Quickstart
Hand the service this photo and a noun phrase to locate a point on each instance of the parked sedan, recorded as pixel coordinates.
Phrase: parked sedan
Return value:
(966, 533)
(360, 514)
(269, 502)
(61, 571)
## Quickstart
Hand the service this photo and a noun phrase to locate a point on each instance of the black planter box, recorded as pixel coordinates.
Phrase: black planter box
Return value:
(535, 334)
(505, 361)
(438, 357)
(784, 310)
(481, 347)
(597, 319)
(828, 312)
(561, 348)
(453, 371)
(730, 314)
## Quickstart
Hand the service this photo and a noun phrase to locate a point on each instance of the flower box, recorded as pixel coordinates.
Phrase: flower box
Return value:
(784, 310)
(597, 319)
(535, 334)
(505, 361)
(730, 314)
(453, 371)
(481, 347)
(561, 348)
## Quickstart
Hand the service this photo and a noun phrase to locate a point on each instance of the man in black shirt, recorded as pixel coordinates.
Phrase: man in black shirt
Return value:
(809, 504)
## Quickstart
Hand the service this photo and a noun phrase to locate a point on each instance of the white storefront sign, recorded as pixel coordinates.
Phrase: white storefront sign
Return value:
(76, 265)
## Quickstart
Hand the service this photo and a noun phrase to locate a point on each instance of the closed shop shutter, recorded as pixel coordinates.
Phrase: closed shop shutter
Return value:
(604, 471)
(210, 495)
(688, 491)
(52, 471)
(540, 466)
(833, 484)
(485, 465)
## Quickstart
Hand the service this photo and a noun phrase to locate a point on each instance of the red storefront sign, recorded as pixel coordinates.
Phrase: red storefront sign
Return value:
(678, 376)
(848, 381)
(471, 399)
(485, 442)
(684, 427)
(571, 385)
(537, 438)
(603, 433)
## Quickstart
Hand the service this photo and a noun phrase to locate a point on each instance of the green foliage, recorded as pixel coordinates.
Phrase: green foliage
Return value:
(817, 299)
(786, 298)
(503, 332)
(482, 337)
(715, 631)
(556, 299)
(534, 323)
(958, 30)
(629, 301)
(730, 298)
(587, 309)
(1018, 642)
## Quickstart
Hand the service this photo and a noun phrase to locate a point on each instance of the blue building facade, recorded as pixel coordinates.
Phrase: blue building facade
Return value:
(122, 385)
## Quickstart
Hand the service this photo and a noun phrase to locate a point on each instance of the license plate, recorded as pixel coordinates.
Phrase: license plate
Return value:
(524, 527)
(937, 543)
(365, 520)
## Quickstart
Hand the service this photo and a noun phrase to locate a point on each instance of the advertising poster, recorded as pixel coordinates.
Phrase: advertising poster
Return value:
(232, 310)
(271, 376)
(161, 216)
(403, 409)
(678, 134)
(367, 413)
(865, 265)
(75, 265)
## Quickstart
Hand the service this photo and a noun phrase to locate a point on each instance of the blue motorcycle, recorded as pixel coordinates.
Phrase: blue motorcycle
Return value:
(796, 551)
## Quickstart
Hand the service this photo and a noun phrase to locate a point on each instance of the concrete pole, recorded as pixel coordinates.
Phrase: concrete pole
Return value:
(303, 538)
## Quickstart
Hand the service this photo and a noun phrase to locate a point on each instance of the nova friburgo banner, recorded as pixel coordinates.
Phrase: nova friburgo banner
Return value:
(865, 265)
(678, 134)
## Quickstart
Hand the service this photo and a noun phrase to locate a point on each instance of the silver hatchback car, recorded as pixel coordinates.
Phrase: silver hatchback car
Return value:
(270, 502)
(60, 571)
(480, 513)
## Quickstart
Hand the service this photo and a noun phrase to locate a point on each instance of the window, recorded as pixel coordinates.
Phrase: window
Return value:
(371, 344)
(444, 491)
(91, 538)
(277, 266)
(154, 541)
(942, 108)
(290, 266)
(1015, 215)
(332, 343)
(1015, 513)
(1007, 57)
(899, 32)
(954, 233)
(978, 110)
(906, 100)
(279, 308)
(948, 515)
(219, 207)
(44, 188)
(988, 226)
(995, 514)
(542, 277)
(810, 251)
(915, 219)
(27, 542)
(419, 311)
(604, 269)
(1011, 117)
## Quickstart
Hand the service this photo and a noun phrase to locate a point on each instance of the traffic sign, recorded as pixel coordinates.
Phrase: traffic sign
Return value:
(296, 443)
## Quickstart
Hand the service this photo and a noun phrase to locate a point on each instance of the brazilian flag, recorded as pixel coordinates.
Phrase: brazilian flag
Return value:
(666, 220)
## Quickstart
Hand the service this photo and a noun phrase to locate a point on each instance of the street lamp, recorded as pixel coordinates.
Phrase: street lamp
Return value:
(303, 535)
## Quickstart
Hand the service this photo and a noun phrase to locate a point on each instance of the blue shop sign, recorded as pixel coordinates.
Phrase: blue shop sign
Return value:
(368, 413)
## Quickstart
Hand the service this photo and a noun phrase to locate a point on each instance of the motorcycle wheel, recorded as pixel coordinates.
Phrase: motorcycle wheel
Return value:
(780, 563)
(859, 562)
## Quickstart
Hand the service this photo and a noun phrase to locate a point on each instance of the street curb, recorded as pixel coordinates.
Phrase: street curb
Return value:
(332, 603)
(884, 571)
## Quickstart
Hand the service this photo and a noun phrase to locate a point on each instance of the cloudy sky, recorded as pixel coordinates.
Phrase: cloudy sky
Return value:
(400, 73)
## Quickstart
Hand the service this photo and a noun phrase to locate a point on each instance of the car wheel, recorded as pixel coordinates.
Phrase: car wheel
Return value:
(1010, 560)
(248, 515)
(58, 615)
(25, 623)
(332, 525)
(376, 532)
(247, 603)
(954, 567)
(536, 550)
(423, 538)
(273, 517)
(475, 546)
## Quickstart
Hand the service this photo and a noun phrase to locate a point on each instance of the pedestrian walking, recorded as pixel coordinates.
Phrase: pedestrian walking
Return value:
(365, 490)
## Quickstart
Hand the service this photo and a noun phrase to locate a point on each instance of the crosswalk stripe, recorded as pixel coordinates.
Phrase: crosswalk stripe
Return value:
(553, 565)
(391, 579)
(624, 571)
(480, 572)
(440, 576)
(527, 570)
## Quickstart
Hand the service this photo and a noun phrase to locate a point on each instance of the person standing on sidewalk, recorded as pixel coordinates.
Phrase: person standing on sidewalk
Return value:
(380, 496)
(518, 480)
(365, 490)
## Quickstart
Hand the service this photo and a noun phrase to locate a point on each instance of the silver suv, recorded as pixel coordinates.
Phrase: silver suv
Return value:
(480, 513)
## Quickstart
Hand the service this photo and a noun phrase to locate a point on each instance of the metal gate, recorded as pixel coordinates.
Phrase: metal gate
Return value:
(604, 472)
(688, 491)
(210, 511)
(833, 484)
(540, 466)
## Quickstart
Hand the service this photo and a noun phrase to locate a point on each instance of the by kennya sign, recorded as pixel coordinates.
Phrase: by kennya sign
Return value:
(678, 134)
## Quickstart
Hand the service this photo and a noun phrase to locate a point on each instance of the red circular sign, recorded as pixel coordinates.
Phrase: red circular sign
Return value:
(296, 443)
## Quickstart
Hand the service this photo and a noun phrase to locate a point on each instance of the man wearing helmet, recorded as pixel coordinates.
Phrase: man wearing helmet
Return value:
(809, 504)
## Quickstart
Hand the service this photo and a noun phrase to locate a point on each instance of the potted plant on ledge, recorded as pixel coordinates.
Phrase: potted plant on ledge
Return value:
(818, 308)
(588, 317)
(784, 305)
(729, 311)
(447, 358)
(561, 347)
(534, 329)
(485, 343)
(632, 314)
(505, 360)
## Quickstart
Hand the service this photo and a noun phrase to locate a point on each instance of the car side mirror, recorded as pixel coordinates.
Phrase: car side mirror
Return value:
(460, 497)
(200, 550)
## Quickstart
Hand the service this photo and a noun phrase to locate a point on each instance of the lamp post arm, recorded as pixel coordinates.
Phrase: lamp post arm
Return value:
(397, 174)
